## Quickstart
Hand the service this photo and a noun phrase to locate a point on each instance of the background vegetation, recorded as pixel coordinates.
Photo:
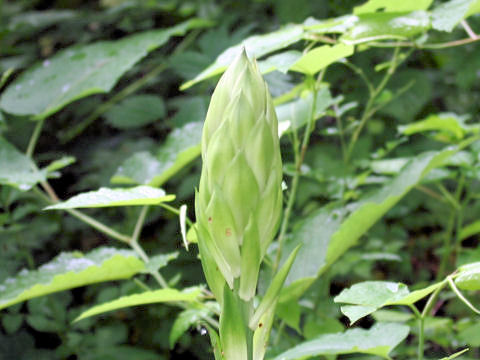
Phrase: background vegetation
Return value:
(380, 149)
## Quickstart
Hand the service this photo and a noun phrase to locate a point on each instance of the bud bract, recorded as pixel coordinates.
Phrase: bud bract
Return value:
(239, 201)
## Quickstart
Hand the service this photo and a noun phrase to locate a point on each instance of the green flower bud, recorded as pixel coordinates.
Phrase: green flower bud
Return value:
(239, 202)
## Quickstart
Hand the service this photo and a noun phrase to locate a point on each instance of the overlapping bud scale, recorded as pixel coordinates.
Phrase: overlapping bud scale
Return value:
(239, 202)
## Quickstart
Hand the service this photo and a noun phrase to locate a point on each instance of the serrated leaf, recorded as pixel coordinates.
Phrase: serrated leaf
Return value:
(320, 57)
(148, 297)
(181, 146)
(105, 197)
(449, 14)
(468, 277)
(68, 271)
(184, 321)
(256, 46)
(82, 70)
(379, 340)
(136, 111)
(369, 296)
(379, 26)
(343, 226)
(18, 170)
(391, 6)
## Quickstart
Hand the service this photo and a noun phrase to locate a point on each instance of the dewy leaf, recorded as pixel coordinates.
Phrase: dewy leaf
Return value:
(17, 169)
(256, 47)
(136, 111)
(449, 14)
(105, 197)
(372, 6)
(369, 296)
(80, 71)
(320, 57)
(378, 26)
(148, 297)
(180, 147)
(341, 227)
(70, 270)
(379, 340)
(468, 277)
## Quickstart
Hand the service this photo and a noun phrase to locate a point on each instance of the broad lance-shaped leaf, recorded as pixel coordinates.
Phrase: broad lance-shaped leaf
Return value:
(379, 340)
(181, 147)
(16, 169)
(372, 6)
(256, 47)
(320, 57)
(80, 71)
(273, 292)
(105, 197)
(148, 297)
(341, 227)
(369, 296)
(68, 271)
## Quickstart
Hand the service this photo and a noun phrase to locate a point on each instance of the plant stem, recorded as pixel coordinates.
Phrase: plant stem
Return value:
(426, 310)
(299, 158)
(368, 112)
(34, 138)
(139, 224)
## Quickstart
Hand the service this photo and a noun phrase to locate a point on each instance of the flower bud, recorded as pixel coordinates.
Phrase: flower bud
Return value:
(239, 202)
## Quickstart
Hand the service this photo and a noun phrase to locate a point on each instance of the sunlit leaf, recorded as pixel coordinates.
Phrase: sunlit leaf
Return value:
(379, 340)
(468, 277)
(105, 197)
(68, 271)
(148, 297)
(320, 57)
(449, 14)
(392, 6)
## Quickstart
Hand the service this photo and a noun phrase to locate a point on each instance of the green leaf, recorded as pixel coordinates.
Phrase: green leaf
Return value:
(136, 111)
(105, 197)
(449, 125)
(379, 26)
(392, 6)
(60, 163)
(458, 353)
(262, 334)
(148, 297)
(273, 292)
(232, 328)
(341, 227)
(80, 71)
(468, 277)
(17, 169)
(469, 230)
(320, 57)
(181, 147)
(369, 296)
(256, 46)
(70, 270)
(281, 62)
(379, 340)
(184, 321)
(159, 261)
(449, 14)
(39, 19)
(296, 114)
(215, 341)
